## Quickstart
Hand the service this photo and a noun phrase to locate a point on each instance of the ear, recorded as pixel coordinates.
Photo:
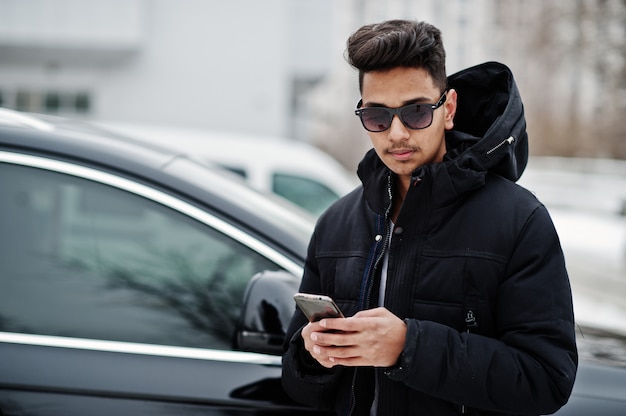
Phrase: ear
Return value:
(450, 109)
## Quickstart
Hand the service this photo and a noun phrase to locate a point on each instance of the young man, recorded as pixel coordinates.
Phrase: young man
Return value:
(452, 276)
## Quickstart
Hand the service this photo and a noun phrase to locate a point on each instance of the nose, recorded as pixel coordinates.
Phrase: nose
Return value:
(397, 130)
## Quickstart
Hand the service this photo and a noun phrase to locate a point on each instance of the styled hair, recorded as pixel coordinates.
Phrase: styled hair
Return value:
(398, 43)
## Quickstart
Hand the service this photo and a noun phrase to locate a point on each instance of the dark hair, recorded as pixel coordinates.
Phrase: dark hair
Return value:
(398, 43)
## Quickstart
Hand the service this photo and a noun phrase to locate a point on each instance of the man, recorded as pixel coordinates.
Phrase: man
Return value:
(450, 275)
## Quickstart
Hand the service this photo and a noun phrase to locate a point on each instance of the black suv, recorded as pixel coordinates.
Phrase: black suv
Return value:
(137, 281)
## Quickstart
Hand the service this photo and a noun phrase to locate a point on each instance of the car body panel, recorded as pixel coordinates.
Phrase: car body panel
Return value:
(153, 379)
(44, 374)
(599, 390)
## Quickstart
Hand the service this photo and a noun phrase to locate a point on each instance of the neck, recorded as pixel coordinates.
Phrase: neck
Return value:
(400, 189)
(402, 185)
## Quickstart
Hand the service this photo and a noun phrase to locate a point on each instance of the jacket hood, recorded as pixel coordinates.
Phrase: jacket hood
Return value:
(489, 126)
(489, 135)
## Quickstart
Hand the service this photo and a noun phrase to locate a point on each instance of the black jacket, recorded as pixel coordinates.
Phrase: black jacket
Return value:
(475, 269)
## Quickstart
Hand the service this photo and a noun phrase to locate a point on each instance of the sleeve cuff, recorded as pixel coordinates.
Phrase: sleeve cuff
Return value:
(399, 371)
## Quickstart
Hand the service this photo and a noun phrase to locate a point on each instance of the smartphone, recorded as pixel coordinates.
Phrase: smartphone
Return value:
(316, 307)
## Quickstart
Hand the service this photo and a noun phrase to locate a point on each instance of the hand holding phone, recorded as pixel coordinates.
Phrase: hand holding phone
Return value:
(316, 307)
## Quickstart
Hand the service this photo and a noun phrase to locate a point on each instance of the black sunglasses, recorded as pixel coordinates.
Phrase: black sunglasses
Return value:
(413, 116)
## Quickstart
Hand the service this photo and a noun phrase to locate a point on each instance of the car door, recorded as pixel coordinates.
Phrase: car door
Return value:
(117, 298)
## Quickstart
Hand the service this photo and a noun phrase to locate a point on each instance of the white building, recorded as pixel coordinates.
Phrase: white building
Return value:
(200, 63)
(271, 67)
(241, 65)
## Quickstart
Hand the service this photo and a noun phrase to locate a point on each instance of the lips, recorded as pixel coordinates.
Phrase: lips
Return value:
(402, 154)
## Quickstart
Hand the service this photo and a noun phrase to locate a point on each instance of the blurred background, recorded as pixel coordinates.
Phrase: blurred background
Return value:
(277, 68)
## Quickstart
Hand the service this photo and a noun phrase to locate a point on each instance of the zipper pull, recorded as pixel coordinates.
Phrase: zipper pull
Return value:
(470, 320)
(510, 140)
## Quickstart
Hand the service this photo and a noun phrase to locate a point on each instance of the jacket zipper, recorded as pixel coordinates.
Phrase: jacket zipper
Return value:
(510, 140)
(385, 243)
(470, 323)
(370, 277)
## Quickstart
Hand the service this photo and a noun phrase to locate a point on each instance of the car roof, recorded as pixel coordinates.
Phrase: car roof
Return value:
(279, 223)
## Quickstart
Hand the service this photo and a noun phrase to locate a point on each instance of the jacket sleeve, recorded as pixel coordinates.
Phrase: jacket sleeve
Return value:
(304, 379)
(529, 368)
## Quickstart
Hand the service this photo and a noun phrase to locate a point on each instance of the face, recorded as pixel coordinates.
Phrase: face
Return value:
(402, 149)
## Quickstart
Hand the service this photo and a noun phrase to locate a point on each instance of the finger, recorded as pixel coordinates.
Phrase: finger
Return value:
(341, 325)
(314, 327)
(321, 355)
(348, 357)
(331, 323)
(334, 352)
(349, 362)
(310, 328)
(339, 339)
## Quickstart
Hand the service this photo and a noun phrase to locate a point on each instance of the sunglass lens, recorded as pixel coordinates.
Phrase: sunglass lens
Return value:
(375, 119)
(417, 116)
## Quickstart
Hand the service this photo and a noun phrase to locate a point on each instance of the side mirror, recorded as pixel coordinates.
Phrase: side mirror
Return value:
(267, 308)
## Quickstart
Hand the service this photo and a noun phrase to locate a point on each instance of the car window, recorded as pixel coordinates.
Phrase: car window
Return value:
(84, 259)
(313, 196)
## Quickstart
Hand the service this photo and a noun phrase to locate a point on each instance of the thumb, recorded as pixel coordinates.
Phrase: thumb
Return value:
(371, 313)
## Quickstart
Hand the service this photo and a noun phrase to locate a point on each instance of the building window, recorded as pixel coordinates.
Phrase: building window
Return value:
(63, 102)
(52, 102)
(82, 103)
